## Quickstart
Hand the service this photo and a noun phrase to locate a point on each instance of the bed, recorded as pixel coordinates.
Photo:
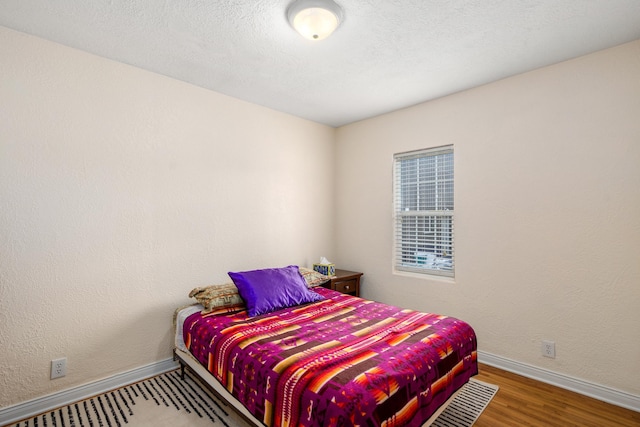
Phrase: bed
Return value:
(339, 360)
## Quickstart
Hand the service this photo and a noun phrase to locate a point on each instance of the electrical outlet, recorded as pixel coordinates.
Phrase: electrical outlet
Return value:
(58, 368)
(549, 349)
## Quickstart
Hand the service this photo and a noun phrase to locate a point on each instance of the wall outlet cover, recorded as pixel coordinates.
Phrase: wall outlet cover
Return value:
(58, 368)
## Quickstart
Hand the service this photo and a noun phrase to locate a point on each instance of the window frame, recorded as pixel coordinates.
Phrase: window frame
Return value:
(440, 260)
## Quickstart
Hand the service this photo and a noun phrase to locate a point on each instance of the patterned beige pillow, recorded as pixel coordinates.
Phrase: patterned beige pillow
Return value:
(217, 296)
(312, 277)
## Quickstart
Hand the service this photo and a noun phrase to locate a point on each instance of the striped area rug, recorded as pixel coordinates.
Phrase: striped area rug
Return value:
(163, 400)
(167, 400)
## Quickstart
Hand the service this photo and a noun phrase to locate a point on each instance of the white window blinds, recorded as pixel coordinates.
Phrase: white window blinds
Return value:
(423, 210)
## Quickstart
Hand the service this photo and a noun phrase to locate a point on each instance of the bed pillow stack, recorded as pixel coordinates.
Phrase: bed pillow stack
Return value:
(226, 297)
(267, 290)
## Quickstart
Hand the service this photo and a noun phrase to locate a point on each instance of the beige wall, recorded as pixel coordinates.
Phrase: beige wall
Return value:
(547, 215)
(121, 190)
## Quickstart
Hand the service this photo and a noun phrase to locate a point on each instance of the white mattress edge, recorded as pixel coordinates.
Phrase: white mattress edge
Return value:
(180, 319)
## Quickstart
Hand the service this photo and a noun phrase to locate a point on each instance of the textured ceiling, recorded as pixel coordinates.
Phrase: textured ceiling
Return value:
(386, 55)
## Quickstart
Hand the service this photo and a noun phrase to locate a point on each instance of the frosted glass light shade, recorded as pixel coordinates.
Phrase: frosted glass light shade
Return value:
(314, 19)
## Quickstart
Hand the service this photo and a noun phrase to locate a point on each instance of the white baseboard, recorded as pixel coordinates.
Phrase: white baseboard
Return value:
(39, 405)
(597, 391)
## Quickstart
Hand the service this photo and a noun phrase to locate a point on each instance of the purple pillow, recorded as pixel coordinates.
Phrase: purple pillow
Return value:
(264, 291)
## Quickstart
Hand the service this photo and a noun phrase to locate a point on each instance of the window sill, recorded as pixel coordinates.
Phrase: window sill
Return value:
(424, 276)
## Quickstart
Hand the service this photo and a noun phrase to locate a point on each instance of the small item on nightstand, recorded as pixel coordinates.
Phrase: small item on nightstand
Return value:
(325, 267)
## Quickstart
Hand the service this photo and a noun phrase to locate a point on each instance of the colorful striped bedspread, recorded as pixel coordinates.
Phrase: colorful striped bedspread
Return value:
(344, 361)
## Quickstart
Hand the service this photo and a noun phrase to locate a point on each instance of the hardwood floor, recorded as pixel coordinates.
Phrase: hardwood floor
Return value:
(521, 401)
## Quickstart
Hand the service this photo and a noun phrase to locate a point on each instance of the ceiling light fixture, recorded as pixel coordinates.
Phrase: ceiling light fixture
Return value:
(314, 19)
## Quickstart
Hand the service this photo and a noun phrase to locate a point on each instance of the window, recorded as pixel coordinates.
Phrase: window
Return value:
(423, 211)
